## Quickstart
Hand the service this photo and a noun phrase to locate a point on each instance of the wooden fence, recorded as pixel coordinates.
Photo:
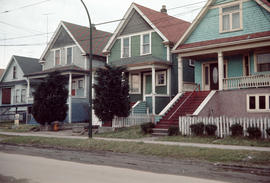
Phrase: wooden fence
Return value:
(223, 124)
(131, 120)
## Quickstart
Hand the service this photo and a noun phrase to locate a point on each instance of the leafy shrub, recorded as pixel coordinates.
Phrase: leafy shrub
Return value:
(236, 129)
(147, 127)
(173, 130)
(197, 129)
(254, 132)
(268, 131)
(210, 129)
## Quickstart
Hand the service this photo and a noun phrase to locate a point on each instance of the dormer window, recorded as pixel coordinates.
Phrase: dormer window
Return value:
(69, 55)
(231, 18)
(57, 57)
(14, 72)
(145, 44)
(125, 47)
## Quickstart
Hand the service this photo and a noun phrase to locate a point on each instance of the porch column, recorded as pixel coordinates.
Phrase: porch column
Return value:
(169, 80)
(70, 99)
(153, 90)
(220, 70)
(180, 74)
(28, 90)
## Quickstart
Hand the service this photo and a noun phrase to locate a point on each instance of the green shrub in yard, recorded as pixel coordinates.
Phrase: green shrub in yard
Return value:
(210, 129)
(147, 127)
(268, 131)
(173, 130)
(254, 132)
(197, 129)
(236, 129)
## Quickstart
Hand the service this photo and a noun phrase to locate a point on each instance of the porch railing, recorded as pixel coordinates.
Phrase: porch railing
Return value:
(246, 82)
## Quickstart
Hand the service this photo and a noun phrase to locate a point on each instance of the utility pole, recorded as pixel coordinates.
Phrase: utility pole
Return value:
(47, 14)
(90, 70)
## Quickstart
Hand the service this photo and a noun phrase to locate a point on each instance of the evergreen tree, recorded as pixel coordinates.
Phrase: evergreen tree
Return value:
(50, 99)
(111, 93)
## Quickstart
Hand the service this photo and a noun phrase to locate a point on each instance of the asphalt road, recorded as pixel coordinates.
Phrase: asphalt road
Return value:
(28, 169)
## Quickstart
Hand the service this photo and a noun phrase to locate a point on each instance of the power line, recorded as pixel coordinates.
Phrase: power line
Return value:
(19, 27)
(20, 37)
(22, 7)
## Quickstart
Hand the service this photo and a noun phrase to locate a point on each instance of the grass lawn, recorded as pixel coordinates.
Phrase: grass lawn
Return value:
(243, 141)
(192, 153)
(124, 133)
(7, 127)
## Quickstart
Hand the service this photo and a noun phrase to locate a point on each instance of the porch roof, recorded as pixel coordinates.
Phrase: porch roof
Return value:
(141, 61)
(61, 69)
(12, 83)
(223, 40)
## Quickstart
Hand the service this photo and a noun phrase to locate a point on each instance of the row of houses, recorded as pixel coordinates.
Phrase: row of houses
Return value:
(217, 65)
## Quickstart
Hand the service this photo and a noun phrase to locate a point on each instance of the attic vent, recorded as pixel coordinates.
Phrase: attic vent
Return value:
(163, 9)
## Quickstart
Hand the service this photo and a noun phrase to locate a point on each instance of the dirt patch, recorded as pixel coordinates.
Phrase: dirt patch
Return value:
(200, 169)
(8, 179)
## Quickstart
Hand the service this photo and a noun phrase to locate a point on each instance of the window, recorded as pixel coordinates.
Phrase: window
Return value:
(135, 82)
(73, 88)
(145, 44)
(258, 103)
(23, 92)
(57, 57)
(126, 47)
(206, 73)
(80, 84)
(17, 96)
(263, 62)
(230, 18)
(14, 72)
(161, 78)
(69, 55)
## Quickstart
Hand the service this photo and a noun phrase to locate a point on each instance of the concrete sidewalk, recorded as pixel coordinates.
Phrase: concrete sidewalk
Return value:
(145, 140)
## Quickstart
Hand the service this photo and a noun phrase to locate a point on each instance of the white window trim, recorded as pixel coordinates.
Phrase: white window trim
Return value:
(255, 60)
(257, 102)
(230, 13)
(165, 78)
(60, 61)
(150, 43)
(71, 54)
(78, 86)
(17, 96)
(23, 89)
(122, 46)
(139, 92)
(16, 72)
(190, 63)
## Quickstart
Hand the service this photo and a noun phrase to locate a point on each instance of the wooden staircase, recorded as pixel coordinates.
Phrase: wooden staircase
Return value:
(185, 105)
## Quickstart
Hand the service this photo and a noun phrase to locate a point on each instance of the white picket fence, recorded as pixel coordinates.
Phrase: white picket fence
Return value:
(131, 120)
(223, 124)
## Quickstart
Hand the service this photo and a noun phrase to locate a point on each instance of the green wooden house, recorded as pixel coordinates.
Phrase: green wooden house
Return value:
(142, 43)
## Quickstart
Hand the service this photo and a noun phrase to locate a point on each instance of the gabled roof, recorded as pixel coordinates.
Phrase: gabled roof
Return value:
(27, 65)
(169, 28)
(80, 35)
(264, 3)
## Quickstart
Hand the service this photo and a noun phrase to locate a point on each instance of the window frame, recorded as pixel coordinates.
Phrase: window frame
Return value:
(14, 72)
(130, 83)
(256, 60)
(142, 43)
(165, 78)
(129, 46)
(80, 84)
(190, 63)
(257, 104)
(221, 14)
(66, 54)
(55, 56)
(23, 97)
(17, 96)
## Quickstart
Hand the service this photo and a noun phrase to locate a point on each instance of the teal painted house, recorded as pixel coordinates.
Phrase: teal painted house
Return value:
(142, 43)
(230, 44)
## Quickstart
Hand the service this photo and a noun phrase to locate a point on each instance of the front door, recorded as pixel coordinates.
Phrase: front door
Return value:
(6, 95)
(214, 76)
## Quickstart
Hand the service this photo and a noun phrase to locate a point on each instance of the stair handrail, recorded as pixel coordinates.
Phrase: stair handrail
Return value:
(197, 87)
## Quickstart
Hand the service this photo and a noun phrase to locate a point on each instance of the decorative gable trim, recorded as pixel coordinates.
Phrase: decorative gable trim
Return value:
(194, 24)
(261, 3)
(122, 24)
(8, 68)
(54, 38)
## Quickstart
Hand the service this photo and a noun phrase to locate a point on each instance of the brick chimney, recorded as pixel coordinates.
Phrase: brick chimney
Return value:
(163, 9)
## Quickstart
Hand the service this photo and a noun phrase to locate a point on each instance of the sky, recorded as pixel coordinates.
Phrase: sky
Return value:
(26, 26)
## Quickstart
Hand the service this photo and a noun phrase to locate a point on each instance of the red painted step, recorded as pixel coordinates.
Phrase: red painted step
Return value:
(185, 105)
